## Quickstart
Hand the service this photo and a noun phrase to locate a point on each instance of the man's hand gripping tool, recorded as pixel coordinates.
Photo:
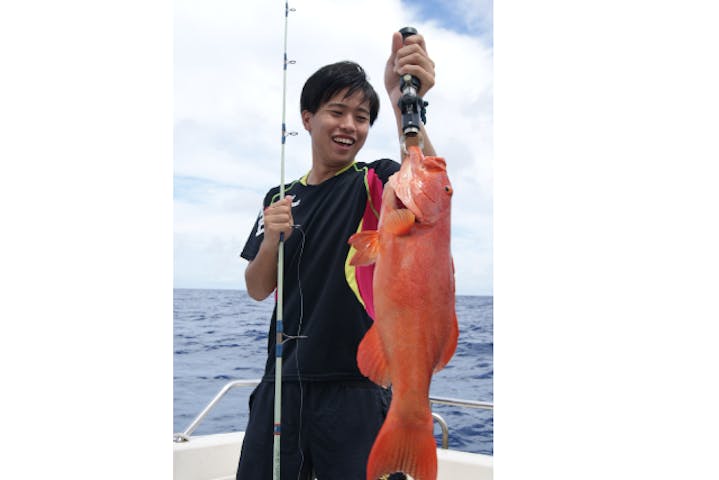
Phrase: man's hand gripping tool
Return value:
(410, 104)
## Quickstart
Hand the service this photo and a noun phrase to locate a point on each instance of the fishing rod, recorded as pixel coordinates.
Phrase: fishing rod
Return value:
(410, 103)
(279, 338)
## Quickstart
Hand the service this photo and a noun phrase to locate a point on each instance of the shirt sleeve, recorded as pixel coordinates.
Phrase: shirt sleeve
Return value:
(385, 168)
(254, 240)
(252, 245)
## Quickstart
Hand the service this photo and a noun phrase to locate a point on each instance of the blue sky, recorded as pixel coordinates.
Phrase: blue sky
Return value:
(227, 99)
(471, 17)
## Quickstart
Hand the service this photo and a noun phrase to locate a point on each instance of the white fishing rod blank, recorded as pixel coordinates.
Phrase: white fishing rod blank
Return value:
(279, 337)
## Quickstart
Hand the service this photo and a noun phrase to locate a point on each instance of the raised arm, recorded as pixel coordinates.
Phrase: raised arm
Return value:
(409, 55)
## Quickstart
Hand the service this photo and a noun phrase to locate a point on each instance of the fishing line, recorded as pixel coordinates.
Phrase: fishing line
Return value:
(299, 288)
(297, 347)
(287, 338)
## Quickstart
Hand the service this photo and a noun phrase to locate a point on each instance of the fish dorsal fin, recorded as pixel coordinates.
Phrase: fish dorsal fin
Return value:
(367, 245)
(371, 358)
(399, 222)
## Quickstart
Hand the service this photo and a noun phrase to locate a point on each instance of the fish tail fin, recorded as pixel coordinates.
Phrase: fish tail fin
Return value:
(367, 245)
(403, 446)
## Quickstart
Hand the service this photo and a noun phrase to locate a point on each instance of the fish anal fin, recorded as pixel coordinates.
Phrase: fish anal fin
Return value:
(400, 221)
(450, 346)
(403, 446)
(372, 360)
(367, 245)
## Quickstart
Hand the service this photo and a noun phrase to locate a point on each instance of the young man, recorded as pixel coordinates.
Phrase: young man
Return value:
(331, 413)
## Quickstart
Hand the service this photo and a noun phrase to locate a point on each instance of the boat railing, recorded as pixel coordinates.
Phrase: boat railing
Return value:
(185, 436)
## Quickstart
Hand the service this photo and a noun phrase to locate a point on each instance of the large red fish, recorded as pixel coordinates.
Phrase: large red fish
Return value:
(415, 330)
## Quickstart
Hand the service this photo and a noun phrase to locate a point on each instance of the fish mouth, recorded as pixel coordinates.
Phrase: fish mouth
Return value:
(406, 188)
(398, 204)
(414, 187)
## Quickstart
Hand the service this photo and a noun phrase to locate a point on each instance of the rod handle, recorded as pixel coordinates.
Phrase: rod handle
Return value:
(408, 80)
(410, 104)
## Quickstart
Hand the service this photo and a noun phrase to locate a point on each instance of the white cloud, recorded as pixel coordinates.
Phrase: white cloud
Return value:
(228, 109)
(477, 14)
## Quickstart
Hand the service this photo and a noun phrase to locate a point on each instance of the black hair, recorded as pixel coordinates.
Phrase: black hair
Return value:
(329, 80)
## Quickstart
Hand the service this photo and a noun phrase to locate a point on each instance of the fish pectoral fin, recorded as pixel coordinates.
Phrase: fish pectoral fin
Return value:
(367, 245)
(400, 221)
(372, 360)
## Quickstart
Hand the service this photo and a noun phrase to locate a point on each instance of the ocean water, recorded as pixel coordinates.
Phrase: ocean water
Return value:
(221, 335)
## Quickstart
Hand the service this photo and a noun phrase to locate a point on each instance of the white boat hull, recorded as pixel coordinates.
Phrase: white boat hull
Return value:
(214, 457)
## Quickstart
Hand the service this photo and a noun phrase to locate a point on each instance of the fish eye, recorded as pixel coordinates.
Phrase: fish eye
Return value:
(448, 189)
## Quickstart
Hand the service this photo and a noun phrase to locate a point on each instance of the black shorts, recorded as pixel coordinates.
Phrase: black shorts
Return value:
(328, 429)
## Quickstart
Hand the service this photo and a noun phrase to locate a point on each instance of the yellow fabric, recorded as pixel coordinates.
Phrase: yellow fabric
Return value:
(350, 271)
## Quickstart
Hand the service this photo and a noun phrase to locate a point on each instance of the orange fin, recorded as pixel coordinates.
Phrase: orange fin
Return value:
(367, 245)
(450, 346)
(399, 222)
(371, 358)
(403, 446)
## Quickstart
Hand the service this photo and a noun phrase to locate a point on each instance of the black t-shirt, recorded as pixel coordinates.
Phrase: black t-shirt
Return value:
(325, 298)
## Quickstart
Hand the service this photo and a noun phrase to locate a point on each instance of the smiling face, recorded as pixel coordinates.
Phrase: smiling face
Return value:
(338, 130)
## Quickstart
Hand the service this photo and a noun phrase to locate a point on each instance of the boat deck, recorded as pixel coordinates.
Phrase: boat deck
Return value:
(214, 457)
